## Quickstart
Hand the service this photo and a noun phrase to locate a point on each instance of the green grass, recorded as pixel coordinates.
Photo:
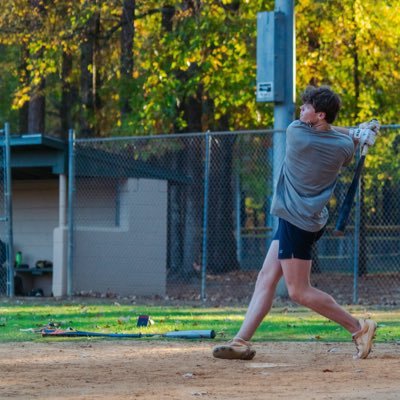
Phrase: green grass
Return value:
(282, 324)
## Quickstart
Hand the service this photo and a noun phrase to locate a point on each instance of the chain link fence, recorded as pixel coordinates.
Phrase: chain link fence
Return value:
(186, 217)
(5, 256)
(138, 209)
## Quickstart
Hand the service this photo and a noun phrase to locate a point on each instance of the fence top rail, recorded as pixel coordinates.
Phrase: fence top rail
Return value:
(176, 135)
(196, 134)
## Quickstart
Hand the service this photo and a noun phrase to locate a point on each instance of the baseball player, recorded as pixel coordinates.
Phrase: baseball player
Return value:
(315, 153)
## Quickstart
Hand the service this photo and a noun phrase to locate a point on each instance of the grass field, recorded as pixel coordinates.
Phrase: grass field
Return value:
(290, 323)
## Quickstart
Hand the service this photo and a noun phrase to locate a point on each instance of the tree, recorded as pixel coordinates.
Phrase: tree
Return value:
(138, 68)
(89, 71)
(126, 63)
(37, 99)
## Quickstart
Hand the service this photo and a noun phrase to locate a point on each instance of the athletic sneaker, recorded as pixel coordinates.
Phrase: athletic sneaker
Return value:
(235, 349)
(363, 338)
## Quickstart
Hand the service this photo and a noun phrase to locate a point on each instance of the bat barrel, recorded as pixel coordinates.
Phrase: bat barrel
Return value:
(196, 334)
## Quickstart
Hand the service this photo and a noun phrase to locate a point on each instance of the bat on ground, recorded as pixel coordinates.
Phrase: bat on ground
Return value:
(345, 209)
(196, 334)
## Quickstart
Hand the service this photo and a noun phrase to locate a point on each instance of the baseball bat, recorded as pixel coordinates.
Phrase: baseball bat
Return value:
(196, 334)
(345, 209)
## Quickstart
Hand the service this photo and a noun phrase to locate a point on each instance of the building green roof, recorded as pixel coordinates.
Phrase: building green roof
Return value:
(38, 156)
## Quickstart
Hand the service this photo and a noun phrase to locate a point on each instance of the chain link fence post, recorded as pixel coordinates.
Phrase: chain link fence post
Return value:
(207, 158)
(3, 219)
(8, 213)
(71, 193)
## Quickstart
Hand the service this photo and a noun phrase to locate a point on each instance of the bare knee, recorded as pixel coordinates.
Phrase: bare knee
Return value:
(299, 295)
(309, 296)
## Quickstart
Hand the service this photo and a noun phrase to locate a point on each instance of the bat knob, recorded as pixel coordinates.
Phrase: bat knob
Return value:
(338, 233)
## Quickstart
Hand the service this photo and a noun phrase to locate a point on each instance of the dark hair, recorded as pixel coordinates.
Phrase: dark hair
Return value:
(323, 99)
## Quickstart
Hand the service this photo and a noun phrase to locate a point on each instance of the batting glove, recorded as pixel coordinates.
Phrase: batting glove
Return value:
(363, 136)
(373, 125)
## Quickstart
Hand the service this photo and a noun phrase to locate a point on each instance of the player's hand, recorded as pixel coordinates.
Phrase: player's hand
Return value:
(363, 136)
(373, 125)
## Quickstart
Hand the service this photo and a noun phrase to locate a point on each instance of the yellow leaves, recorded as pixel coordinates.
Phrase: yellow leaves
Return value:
(240, 48)
(223, 49)
(215, 63)
(20, 98)
(104, 8)
(52, 19)
(381, 176)
(396, 74)
(42, 66)
(191, 59)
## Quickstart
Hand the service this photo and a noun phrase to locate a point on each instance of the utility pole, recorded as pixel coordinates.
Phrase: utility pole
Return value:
(276, 79)
(284, 111)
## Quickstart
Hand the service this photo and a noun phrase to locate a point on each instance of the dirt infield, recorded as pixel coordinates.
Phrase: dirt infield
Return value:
(148, 369)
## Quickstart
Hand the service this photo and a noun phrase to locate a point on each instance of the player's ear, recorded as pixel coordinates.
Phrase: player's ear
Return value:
(321, 115)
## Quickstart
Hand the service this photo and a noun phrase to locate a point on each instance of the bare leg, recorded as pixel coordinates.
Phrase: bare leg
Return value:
(297, 277)
(264, 292)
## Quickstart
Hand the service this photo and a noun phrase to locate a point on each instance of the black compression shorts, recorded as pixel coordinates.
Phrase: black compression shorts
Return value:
(295, 242)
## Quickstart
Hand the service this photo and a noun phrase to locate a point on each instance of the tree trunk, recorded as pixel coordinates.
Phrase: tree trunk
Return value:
(175, 232)
(390, 213)
(23, 72)
(222, 255)
(193, 199)
(174, 160)
(37, 102)
(126, 69)
(37, 109)
(67, 95)
(167, 16)
(89, 77)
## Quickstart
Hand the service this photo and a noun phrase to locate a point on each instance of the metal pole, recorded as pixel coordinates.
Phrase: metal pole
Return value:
(62, 202)
(71, 190)
(8, 213)
(357, 226)
(205, 215)
(284, 111)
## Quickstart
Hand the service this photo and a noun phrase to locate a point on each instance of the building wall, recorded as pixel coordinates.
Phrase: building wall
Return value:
(120, 236)
(127, 256)
(35, 215)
